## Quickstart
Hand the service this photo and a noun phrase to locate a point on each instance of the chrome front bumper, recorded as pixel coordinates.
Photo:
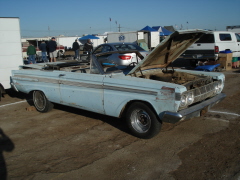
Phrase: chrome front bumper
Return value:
(193, 111)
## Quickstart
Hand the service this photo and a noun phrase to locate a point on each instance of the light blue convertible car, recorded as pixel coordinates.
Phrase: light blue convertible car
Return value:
(145, 94)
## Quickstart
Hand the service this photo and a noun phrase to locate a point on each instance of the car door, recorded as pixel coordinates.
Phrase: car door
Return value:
(238, 44)
(82, 90)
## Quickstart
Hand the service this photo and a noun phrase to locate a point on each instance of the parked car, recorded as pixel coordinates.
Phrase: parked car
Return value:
(210, 44)
(145, 95)
(122, 58)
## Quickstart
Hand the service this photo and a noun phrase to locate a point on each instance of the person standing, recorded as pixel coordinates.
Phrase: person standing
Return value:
(31, 51)
(43, 48)
(89, 48)
(76, 47)
(52, 46)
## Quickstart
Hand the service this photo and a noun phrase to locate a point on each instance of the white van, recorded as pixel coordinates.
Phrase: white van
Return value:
(10, 50)
(209, 45)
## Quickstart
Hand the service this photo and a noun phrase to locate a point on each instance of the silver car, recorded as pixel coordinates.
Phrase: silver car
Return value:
(121, 58)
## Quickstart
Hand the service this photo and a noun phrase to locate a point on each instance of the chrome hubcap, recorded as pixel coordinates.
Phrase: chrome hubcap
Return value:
(39, 100)
(140, 121)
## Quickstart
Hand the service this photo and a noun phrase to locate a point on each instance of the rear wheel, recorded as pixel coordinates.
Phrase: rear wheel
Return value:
(142, 121)
(41, 103)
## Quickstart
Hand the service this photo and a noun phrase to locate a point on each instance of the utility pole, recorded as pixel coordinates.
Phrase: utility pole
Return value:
(119, 28)
(48, 31)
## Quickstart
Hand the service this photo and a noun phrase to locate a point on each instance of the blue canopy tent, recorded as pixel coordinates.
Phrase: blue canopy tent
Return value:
(147, 28)
(142, 42)
(88, 37)
(162, 30)
(84, 39)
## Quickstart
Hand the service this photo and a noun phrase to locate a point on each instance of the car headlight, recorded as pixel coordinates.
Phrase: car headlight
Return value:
(218, 86)
(187, 98)
(183, 101)
(190, 98)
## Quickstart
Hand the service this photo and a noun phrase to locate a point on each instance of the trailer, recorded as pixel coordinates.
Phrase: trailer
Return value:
(11, 50)
(235, 29)
(36, 41)
(150, 38)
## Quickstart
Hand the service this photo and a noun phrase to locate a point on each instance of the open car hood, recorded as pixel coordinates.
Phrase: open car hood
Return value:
(169, 50)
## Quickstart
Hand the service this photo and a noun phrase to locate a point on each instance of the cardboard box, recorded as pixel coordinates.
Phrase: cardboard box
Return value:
(225, 64)
(228, 56)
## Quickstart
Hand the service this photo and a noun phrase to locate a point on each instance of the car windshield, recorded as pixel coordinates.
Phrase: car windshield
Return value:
(125, 47)
(95, 66)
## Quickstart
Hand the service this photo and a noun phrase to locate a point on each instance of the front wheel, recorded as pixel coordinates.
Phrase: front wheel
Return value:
(142, 121)
(40, 101)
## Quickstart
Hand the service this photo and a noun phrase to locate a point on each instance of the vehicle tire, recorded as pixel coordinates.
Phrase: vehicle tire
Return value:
(142, 121)
(41, 103)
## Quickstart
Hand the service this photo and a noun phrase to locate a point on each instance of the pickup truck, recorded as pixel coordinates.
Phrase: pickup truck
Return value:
(210, 44)
(145, 95)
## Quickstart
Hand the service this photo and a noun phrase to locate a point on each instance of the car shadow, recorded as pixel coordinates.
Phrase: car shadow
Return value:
(118, 123)
(5, 145)
(14, 94)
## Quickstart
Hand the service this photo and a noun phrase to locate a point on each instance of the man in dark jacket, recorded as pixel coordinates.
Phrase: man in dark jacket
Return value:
(31, 51)
(89, 48)
(43, 48)
(52, 46)
(75, 47)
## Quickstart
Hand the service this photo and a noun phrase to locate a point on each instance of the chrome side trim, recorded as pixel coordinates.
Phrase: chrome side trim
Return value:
(35, 79)
(83, 84)
(130, 90)
(25, 79)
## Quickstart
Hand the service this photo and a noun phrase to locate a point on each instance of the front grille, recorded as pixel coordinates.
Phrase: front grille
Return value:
(204, 92)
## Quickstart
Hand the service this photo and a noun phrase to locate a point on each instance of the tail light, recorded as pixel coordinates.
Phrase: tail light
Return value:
(216, 48)
(124, 57)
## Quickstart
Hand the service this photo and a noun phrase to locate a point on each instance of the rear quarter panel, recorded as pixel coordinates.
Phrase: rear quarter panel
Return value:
(29, 80)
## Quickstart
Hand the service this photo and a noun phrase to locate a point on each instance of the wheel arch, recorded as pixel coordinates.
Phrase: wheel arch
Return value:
(31, 91)
(125, 108)
(30, 94)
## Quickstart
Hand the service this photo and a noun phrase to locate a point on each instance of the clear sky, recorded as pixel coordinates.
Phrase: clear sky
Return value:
(77, 17)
